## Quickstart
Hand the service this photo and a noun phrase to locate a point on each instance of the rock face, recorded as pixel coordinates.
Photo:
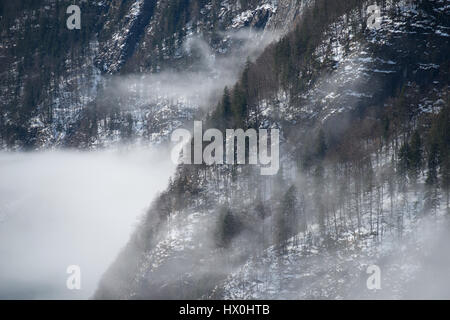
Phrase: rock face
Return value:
(59, 86)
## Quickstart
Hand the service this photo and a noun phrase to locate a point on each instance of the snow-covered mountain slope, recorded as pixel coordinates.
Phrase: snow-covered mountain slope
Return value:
(366, 69)
(342, 200)
(55, 83)
(410, 262)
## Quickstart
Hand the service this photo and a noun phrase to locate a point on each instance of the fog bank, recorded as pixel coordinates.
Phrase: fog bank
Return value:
(70, 208)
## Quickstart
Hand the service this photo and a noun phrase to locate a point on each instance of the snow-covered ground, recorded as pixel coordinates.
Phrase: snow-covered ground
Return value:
(70, 208)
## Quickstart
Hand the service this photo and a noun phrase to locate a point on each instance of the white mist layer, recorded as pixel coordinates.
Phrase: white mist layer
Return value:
(203, 84)
(70, 208)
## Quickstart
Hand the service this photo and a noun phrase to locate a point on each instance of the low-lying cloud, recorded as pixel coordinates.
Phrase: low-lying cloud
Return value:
(201, 84)
(66, 208)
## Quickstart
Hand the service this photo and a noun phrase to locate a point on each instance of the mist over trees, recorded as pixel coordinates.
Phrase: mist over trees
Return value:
(364, 118)
(362, 175)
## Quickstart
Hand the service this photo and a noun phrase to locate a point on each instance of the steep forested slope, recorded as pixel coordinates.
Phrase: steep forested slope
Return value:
(59, 87)
(364, 117)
